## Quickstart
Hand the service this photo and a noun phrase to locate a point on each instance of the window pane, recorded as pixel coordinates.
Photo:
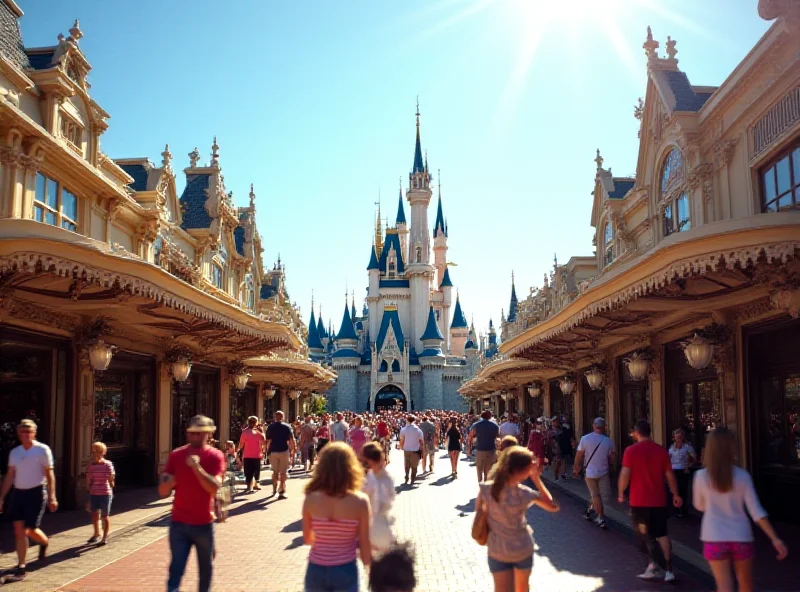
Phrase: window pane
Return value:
(791, 394)
(609, 235)
(769, 185)
(50, 217)
(38, 213)
(796, 166)
(108, 409)
(668, 224)
(69, 225)
(684, 219)
(69, 205)
(785, 201)
(52, 194)
(40, 187)
(782, 170)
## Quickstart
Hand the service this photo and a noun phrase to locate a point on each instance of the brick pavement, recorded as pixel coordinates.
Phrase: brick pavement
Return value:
(260, 547)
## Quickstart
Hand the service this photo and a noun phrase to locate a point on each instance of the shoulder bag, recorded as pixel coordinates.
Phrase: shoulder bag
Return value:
(480, 524)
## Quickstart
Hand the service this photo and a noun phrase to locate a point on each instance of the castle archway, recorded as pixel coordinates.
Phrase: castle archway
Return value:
(390, 396)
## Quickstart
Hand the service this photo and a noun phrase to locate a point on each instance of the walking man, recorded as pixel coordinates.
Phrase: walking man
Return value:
(645, 467)
(485, 432)
(564, 441)
(411, 442)
(307, 444)
(339, 429)
(30, 471)
(596, 454)
(195, 472)
(429, 436)
(509, 427)
(281, 447)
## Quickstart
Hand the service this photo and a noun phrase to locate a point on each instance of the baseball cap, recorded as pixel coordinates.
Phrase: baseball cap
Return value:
(599, 422)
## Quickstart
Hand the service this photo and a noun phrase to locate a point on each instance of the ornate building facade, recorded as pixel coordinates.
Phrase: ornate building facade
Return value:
(687, 313)
(126, 307)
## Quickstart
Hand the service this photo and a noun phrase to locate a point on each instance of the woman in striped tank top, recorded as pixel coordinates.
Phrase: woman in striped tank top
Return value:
(336, 516)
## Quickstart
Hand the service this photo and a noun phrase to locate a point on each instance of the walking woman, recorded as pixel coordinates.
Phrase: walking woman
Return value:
(453, 446)
(323, 433)
(682, 456)
(380, 489)
(505, 501)
(252, 443)
(336, 520)
(725, 495)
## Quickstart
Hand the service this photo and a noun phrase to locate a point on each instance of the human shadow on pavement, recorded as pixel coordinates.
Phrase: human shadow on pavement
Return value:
(468, 507)
(296, 542)
(442, 481)
(295, 526)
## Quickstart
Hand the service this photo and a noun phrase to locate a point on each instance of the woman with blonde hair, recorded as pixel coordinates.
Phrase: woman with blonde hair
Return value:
(505, 500)
(336, 521)
(725, 494)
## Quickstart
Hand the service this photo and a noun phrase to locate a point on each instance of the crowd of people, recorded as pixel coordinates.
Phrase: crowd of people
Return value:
(347, 509)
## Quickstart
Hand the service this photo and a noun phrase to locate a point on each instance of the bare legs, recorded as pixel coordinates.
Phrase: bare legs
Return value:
(454, 461)
(512, 580)
(724, 576)
(21, 535)
(96, 519)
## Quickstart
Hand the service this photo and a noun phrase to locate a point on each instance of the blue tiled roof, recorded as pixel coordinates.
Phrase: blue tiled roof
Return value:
(238, 239)
(393, 284)
(401, 213)
(440, 224)
(346, 353)
(686, 99)
(459, 320)
(391, 317)
(621, 188)
(321, 329)
(11, 46)
(314, 341)
(430, 353)
(267, 291)
(347, 331)
(139, 174)
(470, 345)
(419, 165)
(193, 201)
(373, 259)
(413, 358)
(446, 279)
(432, 328)
(366, 357)
(392, 240)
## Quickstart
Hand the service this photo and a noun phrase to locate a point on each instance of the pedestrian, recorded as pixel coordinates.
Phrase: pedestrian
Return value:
(100, 485)
(724, 493)
(336, 520)
(453, 446)
(484, 432)
(509, 427)
(411, 442)
(384, 436)
(595, 455)
(646, 467)
(508, 442)
(30, 471)
(358, 435)
(682, 456)
(306, 444)
(281, 447)
(195, 472)
(323, 433)
(380, 489)
(252, 444)
(504, 500)
(393, 571)
(429, 443)
(538, 441)
(339, 429)
(564, 442)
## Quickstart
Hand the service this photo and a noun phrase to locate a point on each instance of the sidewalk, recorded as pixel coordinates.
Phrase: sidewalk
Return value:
(768, 573)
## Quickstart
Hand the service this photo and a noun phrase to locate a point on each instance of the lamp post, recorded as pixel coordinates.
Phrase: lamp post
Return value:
(567, 385)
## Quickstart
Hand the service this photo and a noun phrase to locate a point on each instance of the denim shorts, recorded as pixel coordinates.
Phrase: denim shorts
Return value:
(496, 566)
(100, 503)
(335, 578)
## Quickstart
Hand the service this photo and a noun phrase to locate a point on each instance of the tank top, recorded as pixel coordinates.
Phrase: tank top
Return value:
(335, 541)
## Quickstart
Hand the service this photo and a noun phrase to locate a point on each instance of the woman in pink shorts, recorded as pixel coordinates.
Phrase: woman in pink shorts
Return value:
(725, 495)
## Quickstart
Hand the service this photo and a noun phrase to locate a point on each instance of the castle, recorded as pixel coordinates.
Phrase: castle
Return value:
(411, 347)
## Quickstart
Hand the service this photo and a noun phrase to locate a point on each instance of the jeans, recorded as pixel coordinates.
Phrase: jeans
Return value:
(181, 539)
(337, 578)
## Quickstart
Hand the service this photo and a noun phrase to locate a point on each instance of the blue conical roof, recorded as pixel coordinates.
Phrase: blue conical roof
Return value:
(512, 308)
(373, 260)
(314, 341)
(401, 212)
(432, 328)
(446, 279)
(459, 320)
(419, 164)
(440, 224)
(347, 331)
(321, 328)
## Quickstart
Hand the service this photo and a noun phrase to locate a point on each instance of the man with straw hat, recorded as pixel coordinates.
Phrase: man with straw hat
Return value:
(195, 472)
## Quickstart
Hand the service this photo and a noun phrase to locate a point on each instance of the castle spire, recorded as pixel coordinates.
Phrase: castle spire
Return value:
(401, 213)
(378, 227)
(314, 341)
(419, 165)
(459, 320)
(512, 308)
(440, 224)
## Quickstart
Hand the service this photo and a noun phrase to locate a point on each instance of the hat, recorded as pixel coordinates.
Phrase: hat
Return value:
(27, 424)
(599, 422)
(201, 423)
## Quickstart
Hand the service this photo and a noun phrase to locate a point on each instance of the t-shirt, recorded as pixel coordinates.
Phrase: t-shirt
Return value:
(510, 537)
(382, 429)
(598, 447)
(508, 428)
(649, 464)
(30, 465)
(279, 434)
(192, 504)
(98, 475)
(486, 433)
(429, 433)
(563, 437)
(323, 433)
(253, 440)
(453, 438)
(307, 433)
(412, 438)
(358, 437)
(536, 444)
(679, 457)
(339, 431)
(725, 514)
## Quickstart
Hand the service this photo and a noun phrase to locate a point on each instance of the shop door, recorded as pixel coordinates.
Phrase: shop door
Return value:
(243, 405)
(594, 405)
(198, 394)
(634, 405)
(699, 402)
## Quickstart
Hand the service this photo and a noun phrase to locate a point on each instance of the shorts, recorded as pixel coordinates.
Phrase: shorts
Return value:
(431, 449)
(321, 443)
(279, 462)
(484, 460)
(654, 519)
(733, 551)
(599, 487)
(100, 503)
(497, 566)
(307, 453)
(28, 506)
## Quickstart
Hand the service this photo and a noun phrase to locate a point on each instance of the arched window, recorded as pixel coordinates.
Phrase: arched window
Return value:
(384, 366)
(673, 199)
(608, 243)
(395, 366)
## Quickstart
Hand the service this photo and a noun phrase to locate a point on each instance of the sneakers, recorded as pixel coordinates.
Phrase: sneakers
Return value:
(589, 514)
(669, 576)
(601, 523)
(651, 573)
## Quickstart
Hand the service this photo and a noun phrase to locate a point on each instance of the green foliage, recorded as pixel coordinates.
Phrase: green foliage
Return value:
(317, 405)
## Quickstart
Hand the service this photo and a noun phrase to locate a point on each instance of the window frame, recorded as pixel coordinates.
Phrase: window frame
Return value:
(60, 218)
(608, 243)
(69, 126)
(789, 152)
(672, 191)
(217, 267)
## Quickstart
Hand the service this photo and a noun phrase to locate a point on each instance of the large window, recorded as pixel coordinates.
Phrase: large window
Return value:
(217, 275)
(608, 243)
(780, 182)
(674, 200)
(700, 411)
(54, 204)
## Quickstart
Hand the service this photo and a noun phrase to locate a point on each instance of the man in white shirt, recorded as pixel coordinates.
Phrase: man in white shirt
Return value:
(30, 467)
(509, 427)
(597, 450)
(339, 429)
(411, 442)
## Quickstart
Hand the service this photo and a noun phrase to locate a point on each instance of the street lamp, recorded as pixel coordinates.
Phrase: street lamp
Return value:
(595, 378)
(269, 392)
(240, 380)
(100, 354)
(181, 368)
(637, 366)
(698, 352)
(535, 389)
(567, 385)
(295, 394)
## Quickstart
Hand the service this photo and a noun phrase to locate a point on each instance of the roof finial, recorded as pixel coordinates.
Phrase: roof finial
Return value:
(512, 277)
(650, 46)
(599, 160)
(417, 110)
(426, 161)
(438, 176)
(252, 197)
(75, 32)
(214, 153)
(638, 110)
(194, 157)
(671, 50)
(166, 157)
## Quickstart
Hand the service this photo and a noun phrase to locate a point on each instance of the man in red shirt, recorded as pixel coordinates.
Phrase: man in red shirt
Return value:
(645, 467)
(537, 442)
(195, 472)
(382, 430)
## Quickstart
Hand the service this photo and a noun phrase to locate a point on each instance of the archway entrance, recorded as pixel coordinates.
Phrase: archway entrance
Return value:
(390, 397)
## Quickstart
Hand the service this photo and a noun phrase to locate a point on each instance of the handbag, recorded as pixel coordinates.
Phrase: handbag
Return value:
(480, 525)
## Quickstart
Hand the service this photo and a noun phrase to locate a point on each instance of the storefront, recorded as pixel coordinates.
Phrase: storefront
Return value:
(634, 402)
(198, 394)
(594, 404)
(243, 405)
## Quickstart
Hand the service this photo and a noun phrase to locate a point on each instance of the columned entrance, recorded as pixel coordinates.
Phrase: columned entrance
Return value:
(390, 397)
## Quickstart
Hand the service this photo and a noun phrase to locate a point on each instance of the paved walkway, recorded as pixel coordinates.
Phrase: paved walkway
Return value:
(260, 547)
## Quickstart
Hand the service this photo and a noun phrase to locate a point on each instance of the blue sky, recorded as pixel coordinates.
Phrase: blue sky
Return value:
(313, 102)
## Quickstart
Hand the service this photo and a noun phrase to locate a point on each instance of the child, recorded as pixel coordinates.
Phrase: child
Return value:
(100, 484)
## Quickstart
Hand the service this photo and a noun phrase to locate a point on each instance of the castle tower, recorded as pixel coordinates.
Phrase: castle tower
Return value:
(446, 288)
(512, 307)
(400, 223)
(440, 238)
(373, 294)
(459, 331)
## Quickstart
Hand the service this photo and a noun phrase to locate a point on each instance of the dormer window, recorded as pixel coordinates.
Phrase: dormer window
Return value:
(71, 131)
(674, 200)
(53, 204)
(392, 272)
(608, 244)
(217, 275)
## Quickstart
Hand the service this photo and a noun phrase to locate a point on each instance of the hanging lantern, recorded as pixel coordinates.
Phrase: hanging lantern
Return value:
(595, 378)
(535, 389)
(181, 368)
(240, 380)
(698, 352)
(567, 385)
(269, 392)
(295, 394)
(100, 354)
(637, 366)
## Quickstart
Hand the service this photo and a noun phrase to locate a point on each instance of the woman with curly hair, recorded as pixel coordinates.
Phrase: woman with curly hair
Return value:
(336, 521)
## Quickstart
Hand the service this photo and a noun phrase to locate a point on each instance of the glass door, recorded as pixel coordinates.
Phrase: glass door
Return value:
(700, 412)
